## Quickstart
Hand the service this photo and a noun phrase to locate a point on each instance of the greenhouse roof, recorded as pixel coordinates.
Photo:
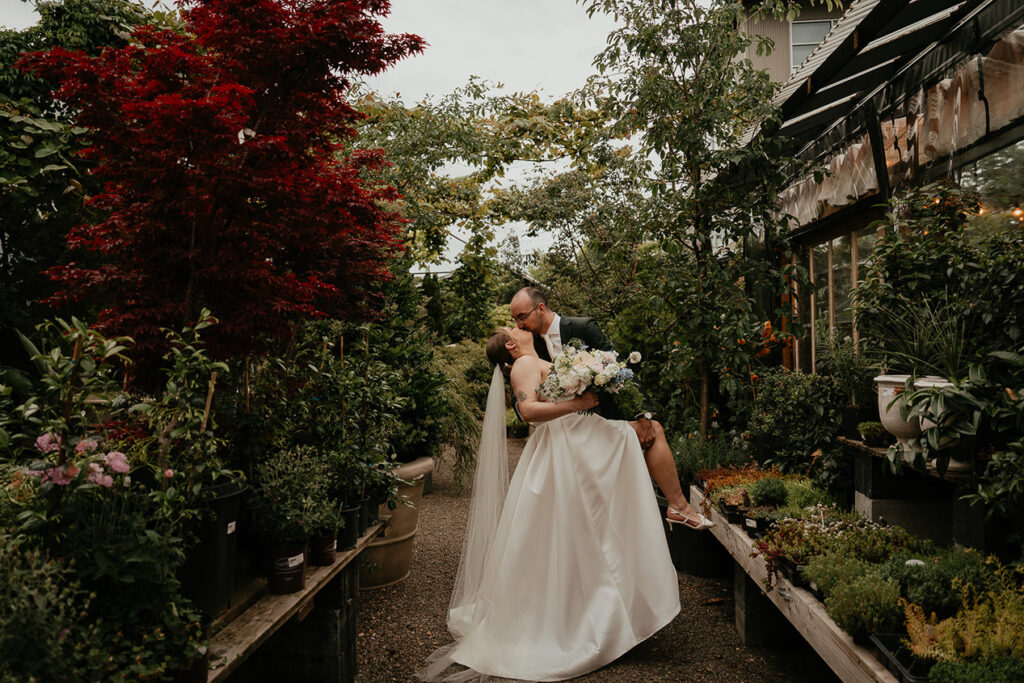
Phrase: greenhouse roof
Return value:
(877, 54)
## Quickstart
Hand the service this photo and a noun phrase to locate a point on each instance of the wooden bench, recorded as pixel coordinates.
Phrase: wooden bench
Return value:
(848, 660)
(258, 614)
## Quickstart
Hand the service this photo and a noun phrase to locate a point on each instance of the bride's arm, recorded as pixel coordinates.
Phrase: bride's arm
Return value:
(525, 381)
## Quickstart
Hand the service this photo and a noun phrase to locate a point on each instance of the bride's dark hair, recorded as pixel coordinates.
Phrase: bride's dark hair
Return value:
(496, 351)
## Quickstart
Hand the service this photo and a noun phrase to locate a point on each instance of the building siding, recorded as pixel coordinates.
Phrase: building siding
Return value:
(777, 64)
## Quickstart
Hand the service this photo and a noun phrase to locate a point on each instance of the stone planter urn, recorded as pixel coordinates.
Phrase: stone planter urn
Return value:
(906, 431)
(387, 558)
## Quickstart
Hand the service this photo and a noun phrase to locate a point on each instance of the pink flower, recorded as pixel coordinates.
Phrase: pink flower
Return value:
(48, 443)
(86, 446)
(96, 475)
(60, 476)
(168, 473)
(116, 461)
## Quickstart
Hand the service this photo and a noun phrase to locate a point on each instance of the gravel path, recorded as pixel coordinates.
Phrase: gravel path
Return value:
(400, 625)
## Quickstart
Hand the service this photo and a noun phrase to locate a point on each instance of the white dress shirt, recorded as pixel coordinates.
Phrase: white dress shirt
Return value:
(552, 338)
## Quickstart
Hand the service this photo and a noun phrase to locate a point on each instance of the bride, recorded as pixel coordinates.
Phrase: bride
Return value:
(565, 568)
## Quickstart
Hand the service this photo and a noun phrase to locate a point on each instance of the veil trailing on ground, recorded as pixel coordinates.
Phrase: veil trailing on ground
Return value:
(490, 485)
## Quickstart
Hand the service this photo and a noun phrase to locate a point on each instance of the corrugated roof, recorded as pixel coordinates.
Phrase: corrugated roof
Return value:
(873, 43)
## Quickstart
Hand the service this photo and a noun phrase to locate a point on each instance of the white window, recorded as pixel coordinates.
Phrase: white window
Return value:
(805, 36)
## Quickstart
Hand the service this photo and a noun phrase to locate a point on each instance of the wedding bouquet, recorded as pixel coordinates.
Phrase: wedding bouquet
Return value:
(577, 368)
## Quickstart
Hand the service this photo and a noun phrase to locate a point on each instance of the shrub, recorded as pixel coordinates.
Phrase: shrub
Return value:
(928, 582)
(873, 433)
(768, 492)
(793, 415)
(290, 495)
(867, 604)
(831, 570)
(985, 670)
(693, 455)
(989, 623)
(44, 617)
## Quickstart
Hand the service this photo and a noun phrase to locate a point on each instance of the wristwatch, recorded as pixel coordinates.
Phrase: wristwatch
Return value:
(644, 416)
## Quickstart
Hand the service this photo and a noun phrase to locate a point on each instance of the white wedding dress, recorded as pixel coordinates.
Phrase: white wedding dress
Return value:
(577, 571)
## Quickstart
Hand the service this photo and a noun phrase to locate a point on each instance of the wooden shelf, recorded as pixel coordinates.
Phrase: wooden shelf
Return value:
(849, 661)
(957, 478)
(243, 634)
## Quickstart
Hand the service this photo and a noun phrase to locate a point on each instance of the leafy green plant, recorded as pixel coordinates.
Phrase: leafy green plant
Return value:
(184, 440)
(873, 433)
(793, 415)
(984, 670)
(693, 454)
(290, 496)
(988, 623)
(769, 493)
(852, 371)
(928, 580)
(45, 614)
(830, 570)
(867, 604)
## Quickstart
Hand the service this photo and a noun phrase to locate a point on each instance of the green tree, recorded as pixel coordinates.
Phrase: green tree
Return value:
(674, 81)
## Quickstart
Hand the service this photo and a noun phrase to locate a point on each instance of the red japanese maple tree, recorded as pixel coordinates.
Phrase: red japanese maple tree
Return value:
(224, 182)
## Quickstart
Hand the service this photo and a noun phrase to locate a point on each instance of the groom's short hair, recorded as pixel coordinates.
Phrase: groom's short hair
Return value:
(537, 296)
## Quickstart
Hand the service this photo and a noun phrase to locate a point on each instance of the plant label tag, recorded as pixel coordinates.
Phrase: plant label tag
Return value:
(296, 560)
(752, 523)
(231, 528)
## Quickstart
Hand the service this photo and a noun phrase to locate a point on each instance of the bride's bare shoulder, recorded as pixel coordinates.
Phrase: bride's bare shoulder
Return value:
(525, 364)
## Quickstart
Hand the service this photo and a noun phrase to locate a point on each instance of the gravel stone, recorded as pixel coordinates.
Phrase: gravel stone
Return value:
(399, 626)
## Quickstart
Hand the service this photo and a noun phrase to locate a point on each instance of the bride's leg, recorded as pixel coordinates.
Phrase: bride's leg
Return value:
(662, 467)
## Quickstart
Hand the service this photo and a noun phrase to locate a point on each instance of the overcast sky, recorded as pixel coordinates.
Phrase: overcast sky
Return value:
(545, 45)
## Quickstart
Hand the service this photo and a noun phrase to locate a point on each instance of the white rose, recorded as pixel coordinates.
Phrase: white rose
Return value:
(634, 357)
(602, 379)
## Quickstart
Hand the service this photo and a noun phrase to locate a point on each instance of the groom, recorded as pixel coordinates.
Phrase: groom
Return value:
(530, 311)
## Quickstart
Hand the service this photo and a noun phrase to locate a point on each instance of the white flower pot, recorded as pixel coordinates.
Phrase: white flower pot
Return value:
(905, 431)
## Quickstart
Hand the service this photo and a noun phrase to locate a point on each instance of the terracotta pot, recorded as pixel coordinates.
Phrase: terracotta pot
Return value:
(388, 557)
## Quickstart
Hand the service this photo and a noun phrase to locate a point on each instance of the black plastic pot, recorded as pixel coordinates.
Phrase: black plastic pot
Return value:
(349, 534)
(208, 574)
(364, 515)
(322, 550)
(287, 568)
(898, 658)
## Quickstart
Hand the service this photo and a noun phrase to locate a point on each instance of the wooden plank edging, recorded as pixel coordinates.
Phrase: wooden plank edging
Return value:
(850, 661)
(233, 644)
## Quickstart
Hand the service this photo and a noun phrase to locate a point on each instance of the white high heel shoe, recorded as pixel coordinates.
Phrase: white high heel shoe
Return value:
(700, 524)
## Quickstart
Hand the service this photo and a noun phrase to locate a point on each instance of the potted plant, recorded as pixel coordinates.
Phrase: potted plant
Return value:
(289, 495)
(853, 373)
(874, 433)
